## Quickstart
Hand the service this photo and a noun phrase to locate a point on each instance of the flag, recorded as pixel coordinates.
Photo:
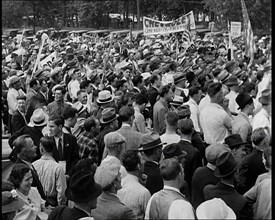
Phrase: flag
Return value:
(248, 33)
(230, 48)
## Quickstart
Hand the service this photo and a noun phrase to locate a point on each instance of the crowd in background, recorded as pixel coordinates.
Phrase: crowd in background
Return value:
(115, 128)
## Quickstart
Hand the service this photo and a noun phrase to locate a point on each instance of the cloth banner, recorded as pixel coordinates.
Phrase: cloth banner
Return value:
(235, 29)
(20, 51)
(152, 27)
(48, 60)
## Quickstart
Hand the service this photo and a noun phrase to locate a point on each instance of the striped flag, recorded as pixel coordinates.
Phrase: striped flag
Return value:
(248, 33)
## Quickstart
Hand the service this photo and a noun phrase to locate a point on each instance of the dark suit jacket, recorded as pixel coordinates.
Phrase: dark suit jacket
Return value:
(42, 99)
(202, 177)
(70, 153)
(17, 122)
(35, 134)
(66, 213)
(31, 102)
(110, 207)
(154, 181)
(152, 95)
(251, 167)
(36, 182)
(231, 197)
(192, 162)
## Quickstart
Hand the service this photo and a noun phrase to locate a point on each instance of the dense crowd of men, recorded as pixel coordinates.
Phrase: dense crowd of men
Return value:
(115, 128)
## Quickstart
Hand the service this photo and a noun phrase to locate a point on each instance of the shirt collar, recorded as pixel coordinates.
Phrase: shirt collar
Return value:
(125, 125)
(137, 88)
(211, 166)
(28, 163)
(183, 139)
(171, 188)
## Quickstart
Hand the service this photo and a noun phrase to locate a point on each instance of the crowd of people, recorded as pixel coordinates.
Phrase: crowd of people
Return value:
(115, 128)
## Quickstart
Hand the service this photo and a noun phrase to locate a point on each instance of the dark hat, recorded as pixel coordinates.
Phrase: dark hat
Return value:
(233, 81)
(229, 66)
(149, 141)
(225, 165)
(173, 150)
(82, 187)
(184, 111)
(234, 141)
(223, 75)
(108, 115)
(190, 76)
(265, 98)
(242, 99)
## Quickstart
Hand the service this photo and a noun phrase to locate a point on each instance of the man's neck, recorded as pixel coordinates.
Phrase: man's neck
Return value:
(66, 124)
(170, 130)
(172, 183)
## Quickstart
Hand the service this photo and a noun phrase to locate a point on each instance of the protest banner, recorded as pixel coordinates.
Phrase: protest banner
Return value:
(20, 51)
(152, 27)
(48, 60)
(235, 29)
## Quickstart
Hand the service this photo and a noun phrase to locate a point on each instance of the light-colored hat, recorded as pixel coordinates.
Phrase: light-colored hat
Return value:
(150, 140)
(104, 97)
(107, 172)
(146, 75)
(108, 115)
(56, 70)
(265, 97)
(11, 202)
(112, 139)
(38, 118)
(213, 151)
(215, 209)
(13, 79)
(79, 107)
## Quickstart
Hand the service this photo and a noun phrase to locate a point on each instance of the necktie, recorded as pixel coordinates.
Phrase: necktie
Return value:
(60, 148)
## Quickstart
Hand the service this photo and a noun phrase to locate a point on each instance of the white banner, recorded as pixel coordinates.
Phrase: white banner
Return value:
(151, 26)
(20, 51)
(235, 29)
(48, 60)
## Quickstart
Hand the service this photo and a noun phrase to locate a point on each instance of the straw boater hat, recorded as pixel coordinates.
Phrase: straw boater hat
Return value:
(265, 98)
(104, 97)
(11, 202)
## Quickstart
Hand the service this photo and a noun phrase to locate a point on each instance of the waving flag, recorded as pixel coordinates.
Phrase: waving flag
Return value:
(248, 33)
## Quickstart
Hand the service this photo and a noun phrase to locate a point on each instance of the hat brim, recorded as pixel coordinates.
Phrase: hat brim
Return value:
(89, 195)
(264, 101)
(218, 174)
(13, 206)
(100, 102)
(237, 144)
(106, 122)
(151, 147)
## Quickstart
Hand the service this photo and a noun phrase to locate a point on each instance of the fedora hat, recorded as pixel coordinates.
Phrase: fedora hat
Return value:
(79, 107)
(104, 97)
(179, 77)
(108, 115)
(215, 208)
(225, 165)
(233, 81)
(190, 76)
(184, 111)
(223, 75)
(234, 141)
(173, 150)
(38, 118)
(11, 202)
(13, 79)
(265, 98)
(82, 187)
(150, 140)
(242, 99)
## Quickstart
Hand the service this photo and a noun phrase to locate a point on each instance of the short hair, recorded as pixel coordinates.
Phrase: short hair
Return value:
(170, 168)
(86, 164)
(137, 79)
(267, 152)
(47, 143)
(260, 75)
(140, 99)
(69, 112)
(23, 97)
(258, 135)
(20, 142)
(172, 118)
(17, 174)
(57, 119)
(194, 90)
(33, 82)
(130, 160)
(80, 91)
(214, 88)
(84, 84)
(154, 78)
(63, 90)
(186, 126)
(126, 112)
(165, 90)
(89, 123)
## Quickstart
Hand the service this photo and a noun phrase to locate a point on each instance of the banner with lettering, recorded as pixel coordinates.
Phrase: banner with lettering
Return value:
(152, 27)
(235, 29)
